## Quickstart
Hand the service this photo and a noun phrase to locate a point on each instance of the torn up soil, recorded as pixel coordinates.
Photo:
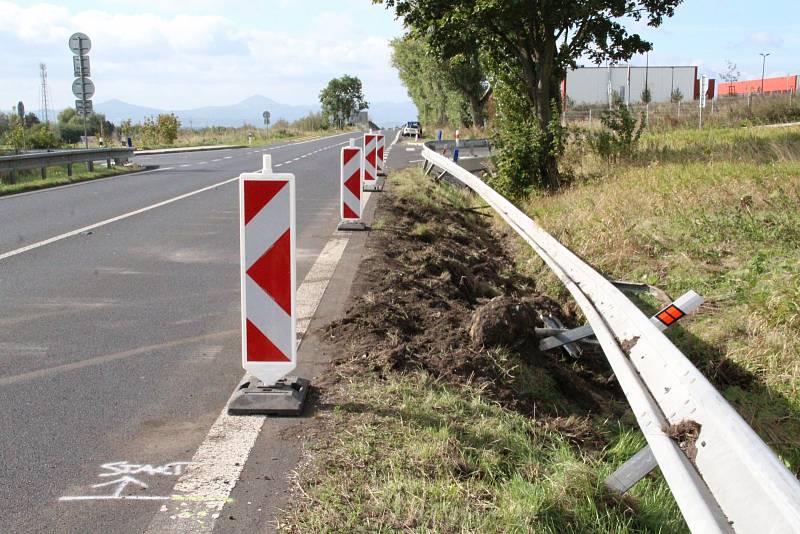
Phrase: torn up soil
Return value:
(439, 292)
(685, 434)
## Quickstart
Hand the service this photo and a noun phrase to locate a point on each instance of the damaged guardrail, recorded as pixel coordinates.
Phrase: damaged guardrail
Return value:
(733, 482)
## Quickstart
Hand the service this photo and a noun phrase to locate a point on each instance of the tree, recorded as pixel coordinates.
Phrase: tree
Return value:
(41, 136)
(464, 72)
(15, 137)
(4, 123)
(731, 73)
(341, 98)
(31, 119)
(676, 96)
(126, 129)
(537, 40)
(167, 126)
(646, 95)
(453, 90)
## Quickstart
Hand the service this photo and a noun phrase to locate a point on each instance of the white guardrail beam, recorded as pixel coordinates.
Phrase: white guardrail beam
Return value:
(735, 482)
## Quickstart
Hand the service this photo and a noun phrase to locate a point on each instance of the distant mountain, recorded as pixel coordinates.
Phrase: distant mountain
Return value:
(249, 111)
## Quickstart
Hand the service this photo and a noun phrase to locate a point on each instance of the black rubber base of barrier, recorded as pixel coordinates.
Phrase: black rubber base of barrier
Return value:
(286, 398)
(352, 226)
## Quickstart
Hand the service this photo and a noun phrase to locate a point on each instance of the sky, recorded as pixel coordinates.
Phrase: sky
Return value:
(163, 54)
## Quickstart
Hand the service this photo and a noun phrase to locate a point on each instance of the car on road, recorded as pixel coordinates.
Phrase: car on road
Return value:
(412, 128)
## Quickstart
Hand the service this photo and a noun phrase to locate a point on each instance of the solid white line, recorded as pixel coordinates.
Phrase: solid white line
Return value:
(109, 221)
(218, 462)
(113, 498)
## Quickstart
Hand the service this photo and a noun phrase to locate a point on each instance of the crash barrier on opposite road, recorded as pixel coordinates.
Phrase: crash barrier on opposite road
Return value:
(42, 160)
(735, 482)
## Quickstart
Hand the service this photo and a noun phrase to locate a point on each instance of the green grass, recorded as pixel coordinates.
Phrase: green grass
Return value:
(31, 180)
(402, 451)
(412, 454)
(716, 211)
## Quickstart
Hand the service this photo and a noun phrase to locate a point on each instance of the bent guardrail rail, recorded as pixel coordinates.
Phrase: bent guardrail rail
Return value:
(735, 482)
(472, 152)
(42, 160)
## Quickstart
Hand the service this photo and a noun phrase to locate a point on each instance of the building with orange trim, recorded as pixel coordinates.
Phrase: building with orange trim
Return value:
(774, 86)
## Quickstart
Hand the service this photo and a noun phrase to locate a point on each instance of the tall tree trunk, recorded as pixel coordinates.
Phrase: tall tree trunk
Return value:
(544, 111)
(476, 106)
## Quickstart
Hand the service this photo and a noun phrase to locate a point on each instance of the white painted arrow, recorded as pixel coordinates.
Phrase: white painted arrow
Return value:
(123, 483)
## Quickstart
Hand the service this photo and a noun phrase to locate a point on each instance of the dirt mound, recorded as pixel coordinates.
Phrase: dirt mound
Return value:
(439, 292)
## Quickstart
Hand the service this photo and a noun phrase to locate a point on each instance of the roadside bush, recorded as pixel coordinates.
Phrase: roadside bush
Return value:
(42, 137)
(620, 134)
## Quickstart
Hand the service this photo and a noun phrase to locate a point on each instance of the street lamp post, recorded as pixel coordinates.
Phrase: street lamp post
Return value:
(763, 65)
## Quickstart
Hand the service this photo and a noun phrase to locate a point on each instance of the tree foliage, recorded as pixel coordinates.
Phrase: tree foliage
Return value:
(620, 134)
(540, 39)
(451, 90)
(70, 125)
(167, 125)
(341, 98)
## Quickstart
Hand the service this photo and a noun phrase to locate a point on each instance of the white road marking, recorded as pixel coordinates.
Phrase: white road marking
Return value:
(202, 162)
(185, 165)
(219, 460)
(72, 233)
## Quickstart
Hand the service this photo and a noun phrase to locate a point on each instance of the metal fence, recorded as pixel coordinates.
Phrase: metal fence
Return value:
(688, 112)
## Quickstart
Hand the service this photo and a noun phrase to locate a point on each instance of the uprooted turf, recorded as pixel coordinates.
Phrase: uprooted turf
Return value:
(441, 414)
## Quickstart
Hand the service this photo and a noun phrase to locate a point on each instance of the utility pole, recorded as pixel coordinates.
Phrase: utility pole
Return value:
(44, 97)
(763, 66)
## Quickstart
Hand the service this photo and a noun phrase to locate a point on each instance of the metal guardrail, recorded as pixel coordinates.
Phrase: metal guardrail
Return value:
(42, 160)
(735, 482)
(472, 152)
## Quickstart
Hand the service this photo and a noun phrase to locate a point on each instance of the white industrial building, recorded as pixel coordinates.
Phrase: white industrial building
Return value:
(592, 86)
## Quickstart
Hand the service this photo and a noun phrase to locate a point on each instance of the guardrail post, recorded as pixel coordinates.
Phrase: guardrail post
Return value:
(69, 169)
(44, 173)
(90, 166)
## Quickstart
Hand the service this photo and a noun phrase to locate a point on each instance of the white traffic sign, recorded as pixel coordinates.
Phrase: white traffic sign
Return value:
(267, 234)
(83, 88)
(80, 43)
(703, 91)
(80, 66)
(82, 107)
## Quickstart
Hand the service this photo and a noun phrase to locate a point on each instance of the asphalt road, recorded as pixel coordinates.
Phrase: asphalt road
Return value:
(121, 344)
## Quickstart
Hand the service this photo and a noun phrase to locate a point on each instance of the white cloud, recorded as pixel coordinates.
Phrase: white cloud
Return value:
(179, 61)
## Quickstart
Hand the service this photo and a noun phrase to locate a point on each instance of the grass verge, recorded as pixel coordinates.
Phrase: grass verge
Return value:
(31, 180)
(440, 416)
(716, 211)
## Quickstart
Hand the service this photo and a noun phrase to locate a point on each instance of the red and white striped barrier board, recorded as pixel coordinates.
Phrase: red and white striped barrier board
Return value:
(370, 159)
(267, 244)
(351, 183)
(381, 145)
